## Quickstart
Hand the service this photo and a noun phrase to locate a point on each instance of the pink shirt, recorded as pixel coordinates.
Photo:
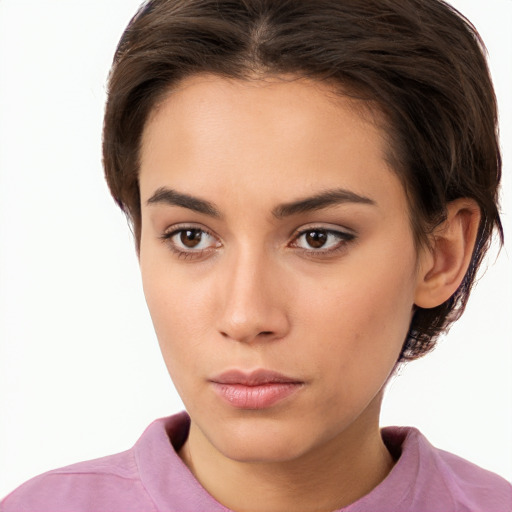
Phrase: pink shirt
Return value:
(151, 477)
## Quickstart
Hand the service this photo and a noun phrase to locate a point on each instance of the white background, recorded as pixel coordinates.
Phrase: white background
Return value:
(80, 371)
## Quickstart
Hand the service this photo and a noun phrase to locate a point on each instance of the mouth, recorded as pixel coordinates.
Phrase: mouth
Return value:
(259, 389)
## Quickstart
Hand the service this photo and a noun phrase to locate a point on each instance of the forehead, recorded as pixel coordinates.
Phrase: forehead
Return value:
(271, 102)
(274, 137)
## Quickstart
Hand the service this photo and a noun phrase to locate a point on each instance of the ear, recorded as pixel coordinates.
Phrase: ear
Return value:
(444, 263)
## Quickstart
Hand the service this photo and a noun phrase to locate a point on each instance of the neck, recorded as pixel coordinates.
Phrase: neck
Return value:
(332, 476)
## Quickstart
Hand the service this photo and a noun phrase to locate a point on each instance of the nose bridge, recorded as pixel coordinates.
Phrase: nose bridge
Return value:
(252, 305)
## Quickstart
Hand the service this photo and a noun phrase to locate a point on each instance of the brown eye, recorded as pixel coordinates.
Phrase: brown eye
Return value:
(191, 238)
(316, 238)
(322, 241)
(191, 241)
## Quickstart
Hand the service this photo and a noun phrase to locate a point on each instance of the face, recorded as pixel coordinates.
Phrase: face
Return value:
(277, 260)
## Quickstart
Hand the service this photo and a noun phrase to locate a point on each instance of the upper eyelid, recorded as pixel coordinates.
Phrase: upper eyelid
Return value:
(176, 228)
(184, 225)
(328, 228)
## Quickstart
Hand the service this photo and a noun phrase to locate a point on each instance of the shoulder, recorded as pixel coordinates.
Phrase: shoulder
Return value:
(91, 485)
(472, 485)
(443, 479)
(115, 482)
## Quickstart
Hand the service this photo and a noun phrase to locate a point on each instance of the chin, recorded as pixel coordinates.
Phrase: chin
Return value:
(272, 451)
(259, 441)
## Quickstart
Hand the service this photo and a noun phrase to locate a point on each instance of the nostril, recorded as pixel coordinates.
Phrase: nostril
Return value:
(265, 333)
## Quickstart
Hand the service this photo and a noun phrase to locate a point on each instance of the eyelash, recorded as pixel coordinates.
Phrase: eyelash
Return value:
(186, 254)
(343, 239)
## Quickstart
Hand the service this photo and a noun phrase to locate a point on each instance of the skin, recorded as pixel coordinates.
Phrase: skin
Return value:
(257, 291)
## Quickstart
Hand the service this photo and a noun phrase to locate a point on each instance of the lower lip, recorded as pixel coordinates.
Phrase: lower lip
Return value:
(255, 397)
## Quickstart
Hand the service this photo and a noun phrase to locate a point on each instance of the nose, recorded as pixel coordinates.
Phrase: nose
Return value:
(253, 299)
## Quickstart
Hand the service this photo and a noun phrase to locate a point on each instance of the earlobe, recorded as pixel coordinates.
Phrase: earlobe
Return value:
(444, 264)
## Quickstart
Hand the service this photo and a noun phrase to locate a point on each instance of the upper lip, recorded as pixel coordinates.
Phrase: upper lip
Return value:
(253, 378)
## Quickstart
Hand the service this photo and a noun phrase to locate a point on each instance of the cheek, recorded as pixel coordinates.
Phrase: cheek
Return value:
(352, 343)
(181, 311)
(361, 316)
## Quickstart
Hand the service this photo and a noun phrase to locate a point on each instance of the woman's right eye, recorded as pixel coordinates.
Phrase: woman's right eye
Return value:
(190, 241)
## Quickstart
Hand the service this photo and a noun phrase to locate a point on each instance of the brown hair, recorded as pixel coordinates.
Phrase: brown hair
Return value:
(420, 61)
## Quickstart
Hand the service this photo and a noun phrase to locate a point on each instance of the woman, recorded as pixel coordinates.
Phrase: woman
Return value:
(312, 187)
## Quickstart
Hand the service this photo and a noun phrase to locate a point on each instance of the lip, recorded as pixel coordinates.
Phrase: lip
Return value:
(257, 389)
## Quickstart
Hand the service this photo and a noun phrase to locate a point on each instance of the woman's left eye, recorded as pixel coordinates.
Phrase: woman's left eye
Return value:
(321, 240)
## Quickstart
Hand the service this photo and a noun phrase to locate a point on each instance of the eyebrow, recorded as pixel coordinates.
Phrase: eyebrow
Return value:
(319, 201)
(171, 197)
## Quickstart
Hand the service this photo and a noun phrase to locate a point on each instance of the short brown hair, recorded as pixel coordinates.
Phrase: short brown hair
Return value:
(420, 61)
